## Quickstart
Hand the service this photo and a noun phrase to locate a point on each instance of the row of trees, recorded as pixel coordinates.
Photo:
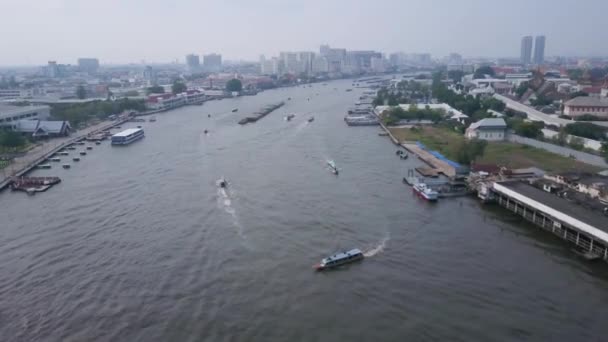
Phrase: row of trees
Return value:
(78, 113)
(413, 113)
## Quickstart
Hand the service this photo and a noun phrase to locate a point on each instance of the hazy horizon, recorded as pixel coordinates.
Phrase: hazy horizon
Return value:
(157, 31)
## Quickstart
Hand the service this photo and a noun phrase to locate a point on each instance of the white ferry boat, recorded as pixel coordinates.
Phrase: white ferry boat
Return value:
(425, 192)
(127, 136)
(339, 259)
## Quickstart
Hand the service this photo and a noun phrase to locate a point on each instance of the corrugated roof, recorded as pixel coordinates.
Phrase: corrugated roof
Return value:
(127, 132)
(587, 101)
(489, 122)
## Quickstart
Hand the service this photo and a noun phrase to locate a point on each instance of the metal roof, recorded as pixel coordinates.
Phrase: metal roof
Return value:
(591, 217)
(489, 123)
(8, 111)
(587, 101)
(127, 132)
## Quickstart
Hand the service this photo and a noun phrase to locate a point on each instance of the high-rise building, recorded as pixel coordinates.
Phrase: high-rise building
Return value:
(324, 50)
(212, 62)
(539, 50)
(150, 76)
(193, 63)
(306, 59)
(291, 62)
(89, 65)
(454, 58)
(52, 70)
(526, 50)
(269, 66)
(320, 65)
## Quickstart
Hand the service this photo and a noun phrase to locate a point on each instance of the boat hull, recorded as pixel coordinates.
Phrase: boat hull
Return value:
(426, 196)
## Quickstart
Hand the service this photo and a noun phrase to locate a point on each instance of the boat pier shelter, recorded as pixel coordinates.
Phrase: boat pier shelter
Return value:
(587, 229)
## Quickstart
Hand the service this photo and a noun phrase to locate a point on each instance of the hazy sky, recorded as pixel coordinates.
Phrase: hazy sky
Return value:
(119, 31)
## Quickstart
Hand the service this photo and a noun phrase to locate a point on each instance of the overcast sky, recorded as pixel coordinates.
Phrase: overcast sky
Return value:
(121, 31)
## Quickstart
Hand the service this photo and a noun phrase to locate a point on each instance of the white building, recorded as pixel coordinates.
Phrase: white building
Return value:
(9, 94)
(320, 65)
(306, 59)
(270, 66)
(577, 106)
(491, 129)
(291, 62)
(378, 64)
(10, 114)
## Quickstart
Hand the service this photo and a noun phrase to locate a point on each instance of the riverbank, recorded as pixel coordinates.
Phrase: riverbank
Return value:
(23, 164)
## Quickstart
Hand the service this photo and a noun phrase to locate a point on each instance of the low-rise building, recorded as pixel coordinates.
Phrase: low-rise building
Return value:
(164, 101)
(491, 129)
(10, 114)
(586, 105)
(42, 128)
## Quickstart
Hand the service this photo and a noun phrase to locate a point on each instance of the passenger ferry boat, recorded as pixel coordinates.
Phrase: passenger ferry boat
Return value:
(425, 192)
(339, 259)
(127, 136)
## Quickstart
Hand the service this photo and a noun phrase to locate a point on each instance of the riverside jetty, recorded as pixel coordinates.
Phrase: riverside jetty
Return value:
(262, 113)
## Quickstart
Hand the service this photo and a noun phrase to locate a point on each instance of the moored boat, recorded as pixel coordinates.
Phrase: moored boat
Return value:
(66, 166)
(425, 192)
(89, 147)
(311, 119)
(339, 259)
(235, 110)
(76, 159)
(43, 166)
(83, 153)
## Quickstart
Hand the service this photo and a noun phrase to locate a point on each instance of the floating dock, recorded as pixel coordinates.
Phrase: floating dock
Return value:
(585, 228)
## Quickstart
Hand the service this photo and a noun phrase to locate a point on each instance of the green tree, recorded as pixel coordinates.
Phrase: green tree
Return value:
(234, 85)
(586, 130)
(482, 71)
(455, 75)
(178, 87)
(132, 93)
(604, 150)
(521, 89)
(529, 129)
(578, 94)
(471, 150)
(577, 143)
(81, 93)
(155, 89)
(11, 139)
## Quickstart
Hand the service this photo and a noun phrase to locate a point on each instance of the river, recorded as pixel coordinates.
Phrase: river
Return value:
(137, 243)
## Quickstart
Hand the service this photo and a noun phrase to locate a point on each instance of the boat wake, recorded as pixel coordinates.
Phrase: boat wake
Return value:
(225, 202)
(378, 248)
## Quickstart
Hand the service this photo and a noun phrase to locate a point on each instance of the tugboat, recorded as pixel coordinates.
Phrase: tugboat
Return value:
(235, 110)
(312, 118)
(339, 259)
(425, 192)
(333, 167)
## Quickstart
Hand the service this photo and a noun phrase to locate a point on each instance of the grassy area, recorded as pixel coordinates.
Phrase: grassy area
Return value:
(511, 155)
(515, 155)
(436, 138)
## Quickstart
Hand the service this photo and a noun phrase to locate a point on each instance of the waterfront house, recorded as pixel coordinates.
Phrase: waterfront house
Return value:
(587, 105)
(491, 129)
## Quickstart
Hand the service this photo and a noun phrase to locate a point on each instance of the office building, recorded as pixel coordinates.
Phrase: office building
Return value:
(193, 63)
(212, 62)
(526, 50)
(320, 65)
(52, 70)
(539, 50)
(306, 59)
(90, 65)
(269, 66)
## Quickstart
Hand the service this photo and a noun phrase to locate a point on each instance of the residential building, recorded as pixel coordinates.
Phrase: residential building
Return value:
(164, 101)
(491, 129)
(291, 62)
(320, 65)
(270, 66)
(212, 62)
(10, 114)
(52, 70)
(9, 94)
(378, 64)
(193, 63)
(539, 50)
(306, 58)
(526, 50)
(90, 65)
(581, 105)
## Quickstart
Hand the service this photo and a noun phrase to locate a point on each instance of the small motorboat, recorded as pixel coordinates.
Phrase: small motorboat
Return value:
(44, 166)
(339, 259)
(311, 119)
(289, 99)
(138, 126)
(152, 119)
(208, 115)
(71, 148)
(222, 183)
(66, 166)
(333, 167)
(98, 143)
(205, 131)
(235, 110)
(89, 148)
(399, 152)
(289, 117)
(76, 159)
(55, 159)
(83, 153)
(403, 156)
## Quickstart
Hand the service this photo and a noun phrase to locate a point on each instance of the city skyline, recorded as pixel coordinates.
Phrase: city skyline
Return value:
(271, 26)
